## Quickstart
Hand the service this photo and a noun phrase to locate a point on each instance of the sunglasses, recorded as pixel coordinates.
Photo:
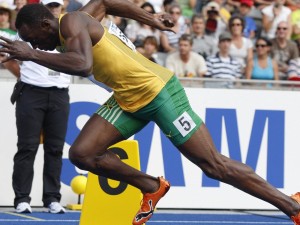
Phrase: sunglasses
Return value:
(282, 28)
(236, 24)
(260, 46)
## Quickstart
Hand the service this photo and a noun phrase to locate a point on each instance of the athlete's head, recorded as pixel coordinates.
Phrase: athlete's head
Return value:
(36, 24)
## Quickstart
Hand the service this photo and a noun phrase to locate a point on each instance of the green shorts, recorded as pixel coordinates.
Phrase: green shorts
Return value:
(170, 110)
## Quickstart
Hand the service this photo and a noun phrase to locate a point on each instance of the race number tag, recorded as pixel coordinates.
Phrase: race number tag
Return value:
(113, 29)
(184, 124)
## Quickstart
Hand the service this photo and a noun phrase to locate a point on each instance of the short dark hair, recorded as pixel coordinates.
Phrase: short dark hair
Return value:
(186, 37)
(197, 16)
(148, 4)
(32, 14)
(265, 39)
(236, 17)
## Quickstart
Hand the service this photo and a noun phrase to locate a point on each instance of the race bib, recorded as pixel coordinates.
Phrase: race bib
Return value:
(184, 124)
(114, 30)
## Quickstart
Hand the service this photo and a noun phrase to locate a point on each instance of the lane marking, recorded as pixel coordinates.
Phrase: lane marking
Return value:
(24, 216)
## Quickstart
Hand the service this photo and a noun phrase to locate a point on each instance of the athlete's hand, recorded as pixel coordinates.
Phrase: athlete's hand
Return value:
(16, 49)
(164, 21)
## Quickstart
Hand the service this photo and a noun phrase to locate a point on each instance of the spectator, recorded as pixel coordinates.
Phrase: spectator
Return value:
(19, 4)
(202, 44)
(150, 51)
(5, 18)
(185, 62)
(262, 67)
(222, 65)
(273, 15)
(294, 69)
(136, 31)
(283, 50)
(249, 25)
(42, 105)
(241, 48)
(215, 23)
(5, 31)
(169, 40)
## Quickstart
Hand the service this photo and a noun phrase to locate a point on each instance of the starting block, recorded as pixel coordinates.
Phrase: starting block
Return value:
(110, 202)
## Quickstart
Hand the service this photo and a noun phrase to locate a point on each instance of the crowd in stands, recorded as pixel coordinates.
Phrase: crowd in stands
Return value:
(232, 39)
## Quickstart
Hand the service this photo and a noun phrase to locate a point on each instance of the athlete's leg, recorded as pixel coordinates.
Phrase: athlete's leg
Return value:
(201, 151)
(89, 152)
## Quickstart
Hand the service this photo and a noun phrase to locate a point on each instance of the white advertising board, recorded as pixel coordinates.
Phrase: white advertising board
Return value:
(256, 127)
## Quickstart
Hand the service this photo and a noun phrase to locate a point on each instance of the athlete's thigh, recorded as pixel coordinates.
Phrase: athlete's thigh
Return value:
(109, 125)
(175, 116)
(96, 136)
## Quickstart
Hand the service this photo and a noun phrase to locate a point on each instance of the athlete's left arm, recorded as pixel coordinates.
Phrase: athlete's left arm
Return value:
(127, 9)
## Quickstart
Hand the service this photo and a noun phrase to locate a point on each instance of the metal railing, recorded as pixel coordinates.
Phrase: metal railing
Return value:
(241, 84)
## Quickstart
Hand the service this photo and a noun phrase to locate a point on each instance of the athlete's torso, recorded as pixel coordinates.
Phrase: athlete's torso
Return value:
(135, 80)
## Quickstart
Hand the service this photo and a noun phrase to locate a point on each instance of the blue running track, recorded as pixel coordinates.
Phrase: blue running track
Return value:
(163, 217)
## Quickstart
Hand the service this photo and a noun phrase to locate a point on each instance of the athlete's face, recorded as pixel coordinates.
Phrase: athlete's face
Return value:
(41, 36)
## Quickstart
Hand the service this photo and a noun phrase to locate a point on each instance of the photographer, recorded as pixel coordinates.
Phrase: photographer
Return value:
(215, 22)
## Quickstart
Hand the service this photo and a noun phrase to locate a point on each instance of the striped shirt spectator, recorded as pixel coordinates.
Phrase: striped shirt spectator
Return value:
(225, 68)
(294, 68)
(222, 65)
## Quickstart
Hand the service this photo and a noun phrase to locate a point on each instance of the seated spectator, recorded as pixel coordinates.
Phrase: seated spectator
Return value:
(202, 44)
(283, 50)
(241, 48)
(262, 67)
(222, 65)
(169, 40)
(294, 69)
(150, 51)
(136, 31)
(273, 15)
(185, 62)
(250, 25)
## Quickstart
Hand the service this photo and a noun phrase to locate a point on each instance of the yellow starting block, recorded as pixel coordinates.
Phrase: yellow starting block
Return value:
(109, 202)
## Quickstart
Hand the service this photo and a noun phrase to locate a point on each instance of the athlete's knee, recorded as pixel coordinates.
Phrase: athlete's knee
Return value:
(79, 157)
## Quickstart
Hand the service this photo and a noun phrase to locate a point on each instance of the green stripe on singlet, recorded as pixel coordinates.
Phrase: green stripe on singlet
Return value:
(110, 111)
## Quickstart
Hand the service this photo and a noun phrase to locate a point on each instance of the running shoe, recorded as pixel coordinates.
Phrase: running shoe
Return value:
(296, 219)
(149, 202)
(56, 208)
(23, 207)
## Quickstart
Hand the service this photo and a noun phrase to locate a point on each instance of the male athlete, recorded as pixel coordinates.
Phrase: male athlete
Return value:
(143, 92)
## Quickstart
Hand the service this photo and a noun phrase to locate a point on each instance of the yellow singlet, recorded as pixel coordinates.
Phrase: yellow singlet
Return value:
(135, 80)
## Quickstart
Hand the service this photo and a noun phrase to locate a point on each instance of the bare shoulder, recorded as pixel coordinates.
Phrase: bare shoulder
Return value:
(74, 22)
